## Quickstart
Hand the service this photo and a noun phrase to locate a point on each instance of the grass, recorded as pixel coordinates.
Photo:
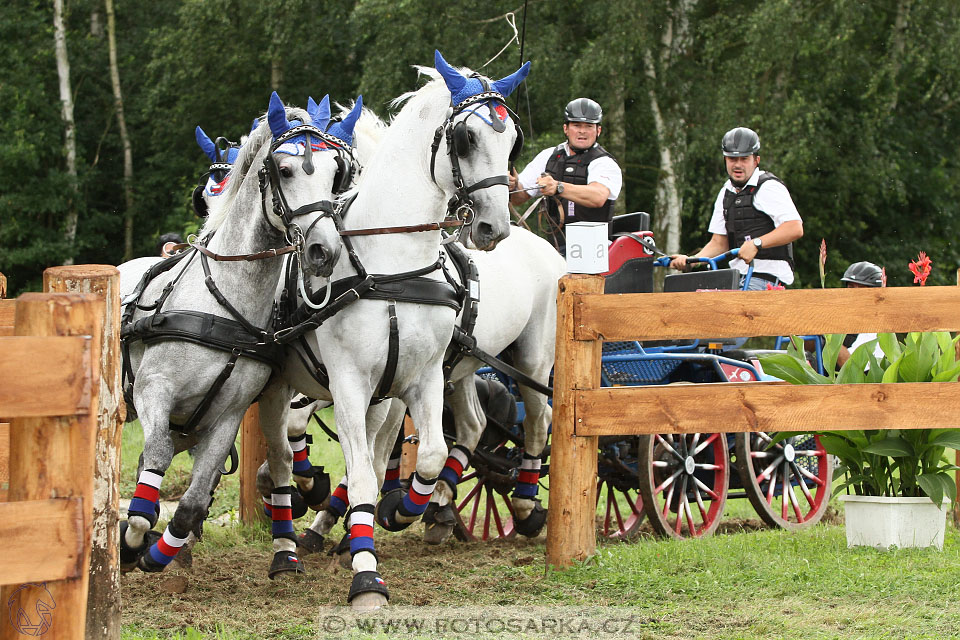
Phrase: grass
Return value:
(748, 584)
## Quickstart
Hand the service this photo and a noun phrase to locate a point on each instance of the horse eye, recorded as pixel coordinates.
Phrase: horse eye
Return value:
(286, 171)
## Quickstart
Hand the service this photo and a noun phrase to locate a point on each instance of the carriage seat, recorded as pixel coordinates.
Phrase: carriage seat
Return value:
(631, 264)
(723, 279)
(629, 223)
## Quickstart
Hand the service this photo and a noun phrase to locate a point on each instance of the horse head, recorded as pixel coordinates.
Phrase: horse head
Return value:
(222, 154)
(483, 138)
(304, 166)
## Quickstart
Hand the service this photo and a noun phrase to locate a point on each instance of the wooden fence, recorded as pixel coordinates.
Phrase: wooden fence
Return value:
(583, 410)
(57, 383)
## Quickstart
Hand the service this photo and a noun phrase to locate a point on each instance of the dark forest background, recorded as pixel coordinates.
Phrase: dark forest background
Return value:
(856, 104)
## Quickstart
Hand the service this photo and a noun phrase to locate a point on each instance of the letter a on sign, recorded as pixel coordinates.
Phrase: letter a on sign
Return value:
(576, 251)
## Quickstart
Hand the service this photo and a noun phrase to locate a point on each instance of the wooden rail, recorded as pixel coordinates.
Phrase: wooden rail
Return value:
(59, 386)
(583, 410)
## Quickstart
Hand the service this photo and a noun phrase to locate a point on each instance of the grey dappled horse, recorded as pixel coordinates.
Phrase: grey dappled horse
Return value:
(199, 338)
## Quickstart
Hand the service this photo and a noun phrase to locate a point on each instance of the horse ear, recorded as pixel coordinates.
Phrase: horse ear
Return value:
(277, 116)
(344, 128)
(206, 144)
(505, 86)
(256, 123)
(453, 78)
(319, 113)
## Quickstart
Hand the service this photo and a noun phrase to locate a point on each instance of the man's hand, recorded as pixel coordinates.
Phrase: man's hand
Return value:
(514, 179)
(548, 186)
(679, 262)
(748, 251)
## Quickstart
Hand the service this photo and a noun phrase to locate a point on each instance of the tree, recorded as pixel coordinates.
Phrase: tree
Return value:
(124, 136)
(69, 126)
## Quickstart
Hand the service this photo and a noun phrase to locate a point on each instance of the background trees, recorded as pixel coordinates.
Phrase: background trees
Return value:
(856, 104)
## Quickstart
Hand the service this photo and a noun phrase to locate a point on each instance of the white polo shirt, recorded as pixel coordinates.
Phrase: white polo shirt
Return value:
(773, 199)
(604, 170)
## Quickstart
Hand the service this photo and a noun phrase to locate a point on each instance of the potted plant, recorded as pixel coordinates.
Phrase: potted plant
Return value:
(900, 479)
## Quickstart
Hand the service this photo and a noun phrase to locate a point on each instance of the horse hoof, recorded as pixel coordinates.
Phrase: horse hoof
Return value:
(148, 565)
(183, 559)
(316, 498)
(130, 556)
(309, 542)
(386, 512)
(438, 523)
(368, 591)
(532, 525)
(285, 563)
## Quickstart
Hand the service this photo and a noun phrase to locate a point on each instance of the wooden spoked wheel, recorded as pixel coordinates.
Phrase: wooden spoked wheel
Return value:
(619, 503)
(787, 482)
(483, 510)
(683, 482)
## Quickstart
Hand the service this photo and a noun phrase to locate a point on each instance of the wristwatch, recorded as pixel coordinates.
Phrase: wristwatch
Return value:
(757, 242)
(559, 188)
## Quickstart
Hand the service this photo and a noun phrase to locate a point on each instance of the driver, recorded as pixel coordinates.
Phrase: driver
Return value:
(579, 179)
(860, 275)
(753, 211)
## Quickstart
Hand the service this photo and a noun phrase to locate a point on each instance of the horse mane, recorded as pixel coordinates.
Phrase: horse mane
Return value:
(255, 147)
(367, 134)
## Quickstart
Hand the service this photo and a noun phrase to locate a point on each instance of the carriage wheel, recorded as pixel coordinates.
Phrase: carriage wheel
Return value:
(620, 507)
(800, 464)
(484, 512)
(683, 482)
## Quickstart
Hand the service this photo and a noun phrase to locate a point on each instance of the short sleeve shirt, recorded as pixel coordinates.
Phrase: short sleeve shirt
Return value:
(773, 199)
(604, 170)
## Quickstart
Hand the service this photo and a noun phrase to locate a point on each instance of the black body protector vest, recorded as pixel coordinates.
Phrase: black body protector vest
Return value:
(743, 221)
(573, 170)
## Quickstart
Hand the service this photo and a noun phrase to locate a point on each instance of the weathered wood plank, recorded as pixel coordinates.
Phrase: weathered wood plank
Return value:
(725, 314)
(760, 406)
(31, 366)
(30, 530)
(55, 456)
(7, 310)
(253, 451)
(103, 599)
(4, 458)
(571, 533)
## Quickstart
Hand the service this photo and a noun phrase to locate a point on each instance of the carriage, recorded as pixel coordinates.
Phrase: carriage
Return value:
(679, 483)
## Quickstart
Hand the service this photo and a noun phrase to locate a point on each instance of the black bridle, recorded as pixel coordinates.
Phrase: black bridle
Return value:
(461, 204)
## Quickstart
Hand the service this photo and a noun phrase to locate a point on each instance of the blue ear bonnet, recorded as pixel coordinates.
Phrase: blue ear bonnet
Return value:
(462, 87)
(343, 129)
(279, 125)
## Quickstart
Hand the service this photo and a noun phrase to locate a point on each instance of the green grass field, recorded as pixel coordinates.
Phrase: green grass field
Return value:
(747, 584)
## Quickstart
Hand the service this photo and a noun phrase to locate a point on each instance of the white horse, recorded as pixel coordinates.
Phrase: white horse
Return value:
(391, 341)
(519, 318)
(198, 336)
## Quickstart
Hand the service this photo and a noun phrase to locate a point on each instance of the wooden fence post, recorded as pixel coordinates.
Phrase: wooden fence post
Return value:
(571, 527)
(253, 451)
(54, 458)
(103, 600)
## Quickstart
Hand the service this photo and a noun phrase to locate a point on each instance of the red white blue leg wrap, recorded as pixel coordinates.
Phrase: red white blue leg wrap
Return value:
(528, 478)
(361, 529)
(416, 499)
(301, 455)
(146, 497)
(452, 471)
(167, 547)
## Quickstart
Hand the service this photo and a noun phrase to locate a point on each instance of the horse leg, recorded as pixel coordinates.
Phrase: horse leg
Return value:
(530, 515)
(425, 399)
(439, 519)
(368, 590)
(144, 509)
(211, 451)
(388, 445)
(274, 407)
(312, 481)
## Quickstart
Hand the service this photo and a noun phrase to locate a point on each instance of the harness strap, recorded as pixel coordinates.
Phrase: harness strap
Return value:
(469, 294)
(246, 257)
(393, 351)
(212, 287)
(204, 405)
(432, 226)
(469, 346)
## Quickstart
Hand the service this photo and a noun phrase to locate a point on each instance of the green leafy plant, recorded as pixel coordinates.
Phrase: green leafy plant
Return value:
(883, 462)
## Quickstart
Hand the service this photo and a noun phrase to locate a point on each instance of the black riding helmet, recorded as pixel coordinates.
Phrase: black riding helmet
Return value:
(583, 110)
(740, 142)
(865, 273)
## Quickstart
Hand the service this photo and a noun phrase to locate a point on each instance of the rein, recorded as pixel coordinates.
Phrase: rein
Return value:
(243, 257)
(414, 228)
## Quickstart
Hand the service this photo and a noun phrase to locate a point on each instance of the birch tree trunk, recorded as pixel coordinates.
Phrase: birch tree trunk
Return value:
(667, 93)
(69, 126)
(124, 137)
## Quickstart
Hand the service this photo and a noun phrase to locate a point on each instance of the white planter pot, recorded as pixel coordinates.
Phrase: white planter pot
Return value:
(880, 522)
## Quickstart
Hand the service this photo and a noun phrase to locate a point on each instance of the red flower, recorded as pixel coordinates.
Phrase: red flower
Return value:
(921, 268)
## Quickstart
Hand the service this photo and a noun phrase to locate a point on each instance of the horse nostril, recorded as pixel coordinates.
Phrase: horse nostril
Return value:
(316, 254)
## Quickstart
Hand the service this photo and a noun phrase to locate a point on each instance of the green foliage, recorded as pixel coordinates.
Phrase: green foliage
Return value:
(856, 105)
(884, 462)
